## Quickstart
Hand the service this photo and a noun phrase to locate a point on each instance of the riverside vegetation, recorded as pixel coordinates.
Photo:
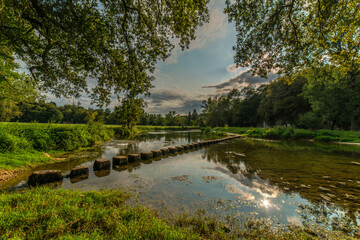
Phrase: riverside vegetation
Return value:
(24, 144)
(43, 213)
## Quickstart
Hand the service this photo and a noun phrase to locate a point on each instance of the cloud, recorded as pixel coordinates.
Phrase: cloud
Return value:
(243, 79)
(165, 100)
(215, 29)
(234, 69)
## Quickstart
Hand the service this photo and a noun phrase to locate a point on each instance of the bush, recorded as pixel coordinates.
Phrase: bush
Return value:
(10, 143)
(45, 137)
(309, 120)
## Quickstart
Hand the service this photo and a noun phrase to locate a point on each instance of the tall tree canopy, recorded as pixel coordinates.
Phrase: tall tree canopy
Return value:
(290, 35)
(114, 42)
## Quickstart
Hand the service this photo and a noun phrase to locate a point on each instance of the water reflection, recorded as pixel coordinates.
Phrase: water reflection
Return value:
(322, 174)
(294, 181)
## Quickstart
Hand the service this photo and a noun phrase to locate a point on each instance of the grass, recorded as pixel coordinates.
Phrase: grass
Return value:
(11, 161)
(322, 135)
(24, 144)
(44, 213)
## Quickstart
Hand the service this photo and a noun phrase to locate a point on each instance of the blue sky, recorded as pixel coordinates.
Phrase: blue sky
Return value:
(205, 69)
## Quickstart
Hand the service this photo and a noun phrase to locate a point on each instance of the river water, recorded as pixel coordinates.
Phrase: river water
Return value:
(294, 182)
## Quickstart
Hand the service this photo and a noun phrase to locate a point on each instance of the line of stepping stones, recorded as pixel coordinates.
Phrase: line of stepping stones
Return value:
(49, 176)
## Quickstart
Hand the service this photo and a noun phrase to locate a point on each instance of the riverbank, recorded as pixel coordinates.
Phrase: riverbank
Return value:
(43, 213)
(322, 135)
(27, 145)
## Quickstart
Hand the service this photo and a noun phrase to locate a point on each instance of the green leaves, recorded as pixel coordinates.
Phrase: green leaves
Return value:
(115, 43)
(291, 35)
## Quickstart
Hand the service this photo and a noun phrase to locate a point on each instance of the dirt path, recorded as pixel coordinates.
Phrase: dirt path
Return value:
(6, 175)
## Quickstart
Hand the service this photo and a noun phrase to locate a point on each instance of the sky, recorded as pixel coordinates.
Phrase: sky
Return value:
(204, 70)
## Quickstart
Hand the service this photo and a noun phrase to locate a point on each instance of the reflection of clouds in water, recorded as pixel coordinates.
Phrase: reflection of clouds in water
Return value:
(235, 190)
(254, 183)
(294, 220)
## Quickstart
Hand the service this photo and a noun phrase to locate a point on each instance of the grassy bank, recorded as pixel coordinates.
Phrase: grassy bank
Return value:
(25, 144)
(43, 213)
(292, 133)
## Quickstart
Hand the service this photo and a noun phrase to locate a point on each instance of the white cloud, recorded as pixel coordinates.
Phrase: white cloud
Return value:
(215, 29)
(234, 69)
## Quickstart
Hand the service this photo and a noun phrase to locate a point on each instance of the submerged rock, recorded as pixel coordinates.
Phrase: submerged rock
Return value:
(44, 176)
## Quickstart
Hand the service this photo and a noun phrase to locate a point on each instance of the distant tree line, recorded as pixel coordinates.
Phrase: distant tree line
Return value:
(171, 119)
(316, 98)
(43, 112)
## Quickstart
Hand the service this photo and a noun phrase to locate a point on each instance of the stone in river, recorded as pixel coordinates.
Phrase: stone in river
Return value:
(146, 155)
(120, 160)
(134, 158)
(101, 164)
(79, 171)
(44, 176)
(156, 153)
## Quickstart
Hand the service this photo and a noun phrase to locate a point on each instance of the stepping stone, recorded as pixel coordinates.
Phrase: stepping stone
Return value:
(120, 160)
(44, 176)
(101, 163)
(156, 153)
(173, 150)
(79, 171)
(134, 158)
(165, 151)
(179, 148)
(146, 155)
(185, 147)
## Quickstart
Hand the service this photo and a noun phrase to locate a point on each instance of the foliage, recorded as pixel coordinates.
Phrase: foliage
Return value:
(282, 102)
(331, 97)
(15, 87)
(237, 108)
(293, 35)
(116, 43)
(45, 137)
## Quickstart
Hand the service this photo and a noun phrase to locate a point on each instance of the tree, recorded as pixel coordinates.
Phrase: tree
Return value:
(291, 35)
(282, 101)
(15, 87)
(116, 43)
(330, 97)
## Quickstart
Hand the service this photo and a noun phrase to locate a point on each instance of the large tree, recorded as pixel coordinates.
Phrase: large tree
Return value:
(289, 36)
(113, 43)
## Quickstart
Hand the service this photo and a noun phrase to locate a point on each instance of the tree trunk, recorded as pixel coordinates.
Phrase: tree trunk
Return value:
(355, 125)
